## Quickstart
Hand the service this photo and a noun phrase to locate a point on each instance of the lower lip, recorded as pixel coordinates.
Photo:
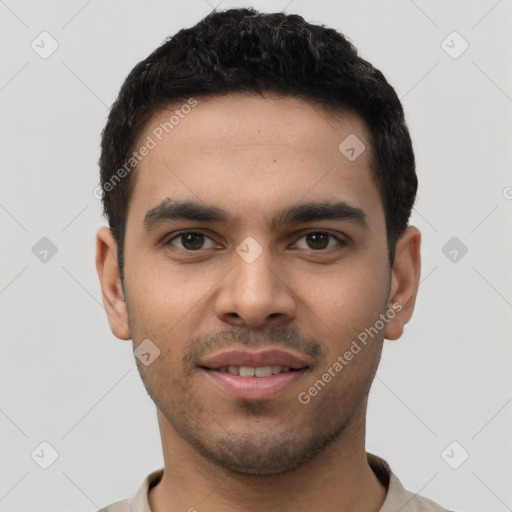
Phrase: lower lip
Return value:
(254, 388)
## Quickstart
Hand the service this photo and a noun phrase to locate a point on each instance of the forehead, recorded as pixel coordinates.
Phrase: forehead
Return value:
(253, 152)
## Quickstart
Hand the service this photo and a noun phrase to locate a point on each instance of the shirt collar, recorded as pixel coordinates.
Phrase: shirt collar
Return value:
(397, 498)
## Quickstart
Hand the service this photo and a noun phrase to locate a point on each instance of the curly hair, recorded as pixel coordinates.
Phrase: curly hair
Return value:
(246, 51)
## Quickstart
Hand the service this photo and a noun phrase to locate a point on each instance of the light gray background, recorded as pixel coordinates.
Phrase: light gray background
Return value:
(66, 380)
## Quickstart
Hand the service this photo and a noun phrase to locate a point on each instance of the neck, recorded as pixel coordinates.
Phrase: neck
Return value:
(338, 478)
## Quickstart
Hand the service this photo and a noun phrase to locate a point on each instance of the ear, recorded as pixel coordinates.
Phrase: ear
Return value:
(405, 278)
(110, 281)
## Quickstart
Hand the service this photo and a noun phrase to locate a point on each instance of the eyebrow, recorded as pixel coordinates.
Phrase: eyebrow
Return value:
(170, 209)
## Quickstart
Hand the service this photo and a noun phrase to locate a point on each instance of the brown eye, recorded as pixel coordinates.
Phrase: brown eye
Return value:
(318, 240)
(191, 240)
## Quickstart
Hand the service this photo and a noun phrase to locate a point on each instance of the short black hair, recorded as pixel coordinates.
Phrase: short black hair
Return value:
(246, 51)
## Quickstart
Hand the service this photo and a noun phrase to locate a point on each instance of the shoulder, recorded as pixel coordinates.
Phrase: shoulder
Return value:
(139, 502)
(397, 497)
(118, 506)
(410, 502)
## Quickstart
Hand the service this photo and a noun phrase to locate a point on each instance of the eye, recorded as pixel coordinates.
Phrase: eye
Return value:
(318, 240)
(191, 241)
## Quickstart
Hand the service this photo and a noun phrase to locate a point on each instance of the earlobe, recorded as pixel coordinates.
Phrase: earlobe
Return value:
(110, 282)
(404, 281)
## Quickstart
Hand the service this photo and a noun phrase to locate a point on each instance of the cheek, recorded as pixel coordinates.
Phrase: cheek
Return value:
(162, 291)
(344, 302)
(166, 304)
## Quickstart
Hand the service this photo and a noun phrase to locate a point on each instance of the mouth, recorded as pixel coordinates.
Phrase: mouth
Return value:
(259, 371)
(254, 375)
(242, 359)
(247, 385)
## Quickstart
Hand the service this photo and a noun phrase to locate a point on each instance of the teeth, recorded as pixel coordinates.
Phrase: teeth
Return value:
(246, 371)
(263, 371)
(260, 371)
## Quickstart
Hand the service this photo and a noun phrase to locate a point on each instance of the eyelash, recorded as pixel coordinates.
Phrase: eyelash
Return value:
(341, 242)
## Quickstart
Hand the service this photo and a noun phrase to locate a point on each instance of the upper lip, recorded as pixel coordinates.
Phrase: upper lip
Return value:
(273, 357)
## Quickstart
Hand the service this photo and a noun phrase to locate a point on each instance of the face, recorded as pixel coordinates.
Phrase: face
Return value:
(252, 241)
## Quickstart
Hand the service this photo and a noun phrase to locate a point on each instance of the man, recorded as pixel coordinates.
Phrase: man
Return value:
(258, 178)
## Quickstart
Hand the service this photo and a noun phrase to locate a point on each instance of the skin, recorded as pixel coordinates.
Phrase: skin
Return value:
(252, 155)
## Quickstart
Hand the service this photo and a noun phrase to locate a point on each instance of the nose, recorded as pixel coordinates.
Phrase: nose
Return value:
(255, 293)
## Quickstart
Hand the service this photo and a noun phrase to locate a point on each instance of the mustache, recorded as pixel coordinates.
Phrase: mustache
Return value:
(202, 345)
